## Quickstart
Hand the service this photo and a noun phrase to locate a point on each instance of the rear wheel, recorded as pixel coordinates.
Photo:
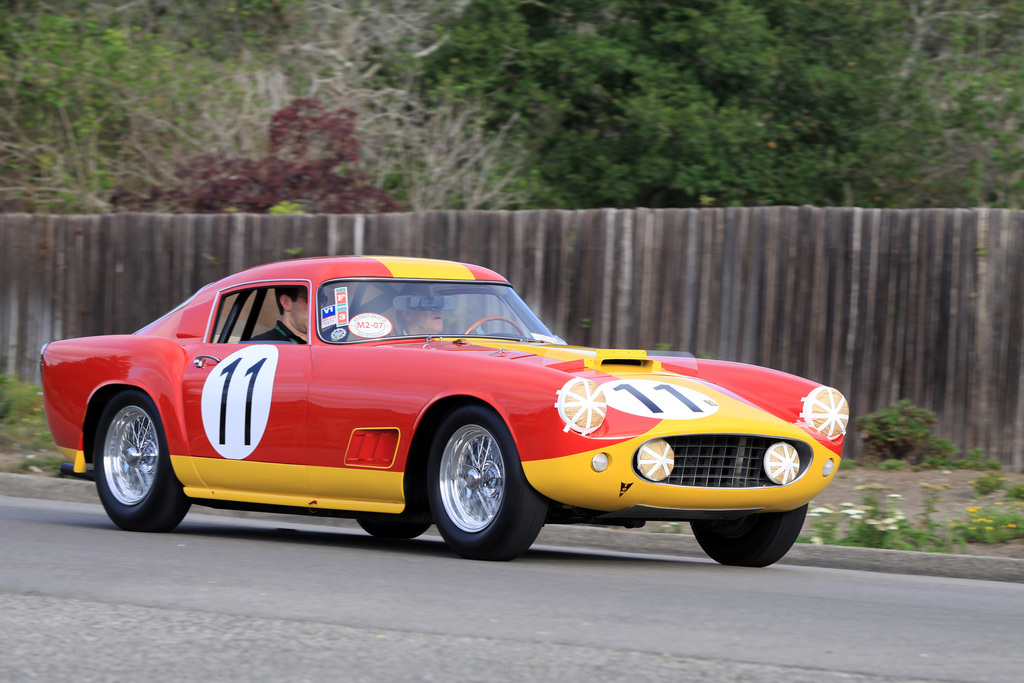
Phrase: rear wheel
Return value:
(479, 497)
(392, 529)
(754, 541)
(132, 464)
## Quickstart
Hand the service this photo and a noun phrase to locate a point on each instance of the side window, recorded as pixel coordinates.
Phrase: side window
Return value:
(248, 313)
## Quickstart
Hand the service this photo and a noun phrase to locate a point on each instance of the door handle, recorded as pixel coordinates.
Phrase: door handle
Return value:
(200, 361)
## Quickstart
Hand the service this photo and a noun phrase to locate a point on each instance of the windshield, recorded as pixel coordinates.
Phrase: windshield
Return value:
(358, 310)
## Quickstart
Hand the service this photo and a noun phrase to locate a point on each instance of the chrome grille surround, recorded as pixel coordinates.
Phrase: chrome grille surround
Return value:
(724, 461)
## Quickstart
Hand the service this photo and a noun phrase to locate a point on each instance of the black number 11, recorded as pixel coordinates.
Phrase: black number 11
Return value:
(651, 405)
(230, 371)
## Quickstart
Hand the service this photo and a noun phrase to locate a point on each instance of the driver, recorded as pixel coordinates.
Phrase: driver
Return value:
(291, 327)
(422, 313)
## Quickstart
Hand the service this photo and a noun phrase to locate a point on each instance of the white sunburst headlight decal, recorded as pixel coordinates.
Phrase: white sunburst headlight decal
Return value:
(782, 463)
(581, 405)
(656, 459)
(827, 411)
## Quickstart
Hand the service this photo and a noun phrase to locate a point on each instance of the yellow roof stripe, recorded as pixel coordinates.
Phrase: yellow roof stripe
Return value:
(425, 268)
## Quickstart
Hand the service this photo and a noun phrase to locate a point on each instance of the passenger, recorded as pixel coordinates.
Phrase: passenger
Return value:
(421, 312)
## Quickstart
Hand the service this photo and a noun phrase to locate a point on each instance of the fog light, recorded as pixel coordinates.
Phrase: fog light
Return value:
(656, 459)
(781, 463)
(830, 466)
(599, 462)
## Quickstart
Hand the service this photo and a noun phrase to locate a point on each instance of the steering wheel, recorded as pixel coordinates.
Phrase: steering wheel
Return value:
(489, 318)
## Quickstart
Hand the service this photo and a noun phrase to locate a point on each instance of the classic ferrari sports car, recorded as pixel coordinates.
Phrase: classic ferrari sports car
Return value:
(409, 392)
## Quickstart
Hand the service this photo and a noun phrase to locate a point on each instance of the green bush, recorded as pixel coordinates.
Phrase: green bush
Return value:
(1015, 492)
(941, 454)
(896, 432)
(988, 483)
(890, 465)
(976, 460)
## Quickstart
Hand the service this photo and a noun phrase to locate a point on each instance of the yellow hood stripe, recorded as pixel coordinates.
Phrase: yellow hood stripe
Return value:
(423, 268)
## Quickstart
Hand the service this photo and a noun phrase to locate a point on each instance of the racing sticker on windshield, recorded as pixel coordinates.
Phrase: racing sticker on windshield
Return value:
(341, 304)
(370, 326)
(328, 317)
(236, 400)
(651, 398)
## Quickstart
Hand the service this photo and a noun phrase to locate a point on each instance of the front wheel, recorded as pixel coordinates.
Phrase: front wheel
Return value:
(132, 464)
(479, 497)
(754, 541)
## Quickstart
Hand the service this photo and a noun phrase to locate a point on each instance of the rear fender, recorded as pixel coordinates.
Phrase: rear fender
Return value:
(81, 375)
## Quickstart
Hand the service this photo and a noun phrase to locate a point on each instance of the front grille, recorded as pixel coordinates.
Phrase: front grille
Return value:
(724, 461)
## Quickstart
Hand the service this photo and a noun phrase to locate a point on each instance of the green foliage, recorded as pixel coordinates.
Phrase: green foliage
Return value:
(976, 459)
(736, 102)
(895, 432)
(992, 523)
(22, 423)
(618, 103)
(892, 465)
(880, 524)
(1015, 492)
(988, 483)
(46, 463)
(88, 107)
(877, 524)
(285, 208)
(941, 454)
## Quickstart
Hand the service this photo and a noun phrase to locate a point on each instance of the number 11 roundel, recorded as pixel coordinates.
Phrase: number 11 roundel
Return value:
(236, 400)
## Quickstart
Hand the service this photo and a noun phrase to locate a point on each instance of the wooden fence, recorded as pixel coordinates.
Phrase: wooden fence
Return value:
(882, 304)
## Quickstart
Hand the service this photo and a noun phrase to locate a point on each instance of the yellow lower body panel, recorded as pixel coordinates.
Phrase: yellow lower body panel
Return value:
(326, 488)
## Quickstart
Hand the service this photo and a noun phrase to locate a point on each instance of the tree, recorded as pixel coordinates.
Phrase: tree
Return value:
(310, 164)
(638, 103)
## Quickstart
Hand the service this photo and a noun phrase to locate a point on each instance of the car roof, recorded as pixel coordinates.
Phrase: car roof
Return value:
(325, 268)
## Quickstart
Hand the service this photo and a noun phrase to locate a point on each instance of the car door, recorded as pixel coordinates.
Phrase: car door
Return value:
(361, 411)
(245, 403)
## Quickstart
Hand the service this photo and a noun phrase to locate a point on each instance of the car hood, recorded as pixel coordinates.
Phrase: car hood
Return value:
(673, 387)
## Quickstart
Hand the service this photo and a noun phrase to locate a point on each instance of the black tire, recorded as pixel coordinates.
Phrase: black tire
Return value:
(132, 464)
(754, 541)
(483, 508)
(393, 529)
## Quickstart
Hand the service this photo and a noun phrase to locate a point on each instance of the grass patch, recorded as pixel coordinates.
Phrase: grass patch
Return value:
(23, 426)
(45, 463)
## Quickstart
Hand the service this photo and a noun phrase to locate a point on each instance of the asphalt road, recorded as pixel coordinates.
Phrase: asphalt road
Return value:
(227, 598)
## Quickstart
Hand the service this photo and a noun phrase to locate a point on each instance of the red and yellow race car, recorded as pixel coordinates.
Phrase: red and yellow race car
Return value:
(409, 392)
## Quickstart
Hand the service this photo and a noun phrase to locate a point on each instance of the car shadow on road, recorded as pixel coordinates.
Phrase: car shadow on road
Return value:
(430, 544)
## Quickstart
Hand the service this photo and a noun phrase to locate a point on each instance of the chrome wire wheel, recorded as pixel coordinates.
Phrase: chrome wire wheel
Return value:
(131, 452)
(472, 478)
